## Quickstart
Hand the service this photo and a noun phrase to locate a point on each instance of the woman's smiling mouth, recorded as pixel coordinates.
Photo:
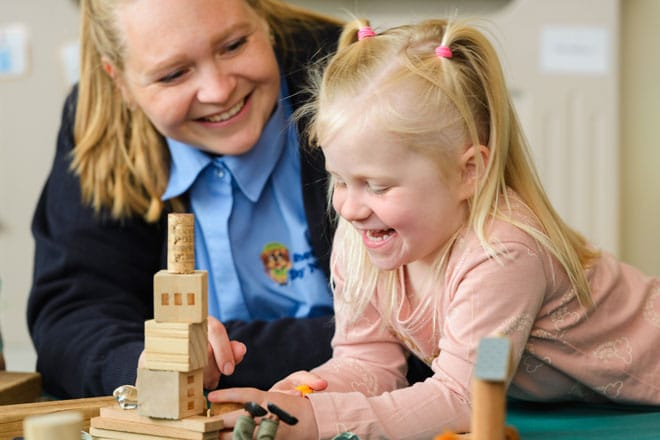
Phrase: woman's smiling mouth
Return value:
(221, 117)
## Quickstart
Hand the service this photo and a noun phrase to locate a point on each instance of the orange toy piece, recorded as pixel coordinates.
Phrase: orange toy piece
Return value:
(447, 435)
(305, 389)
(511, 433)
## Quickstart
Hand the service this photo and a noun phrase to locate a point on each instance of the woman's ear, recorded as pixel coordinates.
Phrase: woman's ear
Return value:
(473, 163)
(118, 79)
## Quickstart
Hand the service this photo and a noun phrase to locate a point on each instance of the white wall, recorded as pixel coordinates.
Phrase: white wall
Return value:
(640, 149)
(29, 118)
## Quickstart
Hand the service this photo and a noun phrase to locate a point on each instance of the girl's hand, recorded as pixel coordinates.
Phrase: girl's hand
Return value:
(300, 383)
(298, 407)
(223, 354)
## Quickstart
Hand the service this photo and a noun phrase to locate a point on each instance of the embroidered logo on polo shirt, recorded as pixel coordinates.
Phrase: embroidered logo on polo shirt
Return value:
(276, 261)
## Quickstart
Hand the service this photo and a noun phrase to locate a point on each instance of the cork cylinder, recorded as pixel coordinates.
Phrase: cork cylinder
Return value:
(181, 243)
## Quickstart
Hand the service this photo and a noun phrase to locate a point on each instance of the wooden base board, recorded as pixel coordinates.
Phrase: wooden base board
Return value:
(116, 423)
(107, 434)
(19, 387)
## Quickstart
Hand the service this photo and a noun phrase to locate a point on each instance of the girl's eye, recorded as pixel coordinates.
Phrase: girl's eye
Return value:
(377, 189)
(170, 77)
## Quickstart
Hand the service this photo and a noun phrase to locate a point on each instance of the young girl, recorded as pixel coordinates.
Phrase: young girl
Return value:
(445, 237)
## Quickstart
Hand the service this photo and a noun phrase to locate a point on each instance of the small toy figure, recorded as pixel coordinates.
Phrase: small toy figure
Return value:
(245, 425)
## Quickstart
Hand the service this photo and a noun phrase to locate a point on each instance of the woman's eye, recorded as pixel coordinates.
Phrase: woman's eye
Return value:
(235, 45)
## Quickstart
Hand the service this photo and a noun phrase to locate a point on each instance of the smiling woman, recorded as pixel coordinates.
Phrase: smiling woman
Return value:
(184, 105)
(210, 86)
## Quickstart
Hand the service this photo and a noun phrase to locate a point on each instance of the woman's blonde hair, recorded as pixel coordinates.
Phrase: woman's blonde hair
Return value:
(122, 160)
(459, 100)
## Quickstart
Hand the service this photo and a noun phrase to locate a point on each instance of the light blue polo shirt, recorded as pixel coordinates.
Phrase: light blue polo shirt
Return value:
(251, 233)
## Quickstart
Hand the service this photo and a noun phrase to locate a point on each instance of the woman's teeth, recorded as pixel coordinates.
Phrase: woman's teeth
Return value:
(226, 115)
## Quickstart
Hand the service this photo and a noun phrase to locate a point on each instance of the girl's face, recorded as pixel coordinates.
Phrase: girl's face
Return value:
(395, 197)
(203, 71)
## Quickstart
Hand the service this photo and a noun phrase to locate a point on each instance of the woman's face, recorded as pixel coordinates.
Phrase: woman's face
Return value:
(203, 71)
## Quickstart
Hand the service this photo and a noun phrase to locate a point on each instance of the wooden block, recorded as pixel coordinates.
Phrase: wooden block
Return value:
(489, 389)
(144, 428)
(493, 359)
(100, 434)
(192, 423)
(12, 416)
(219, 408)
(66, 425)
(170, 394)
(18, 387)
(177, 346)
(181, 297)
(180, 243)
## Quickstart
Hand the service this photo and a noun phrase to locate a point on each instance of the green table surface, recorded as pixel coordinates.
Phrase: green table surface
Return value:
(579, 421)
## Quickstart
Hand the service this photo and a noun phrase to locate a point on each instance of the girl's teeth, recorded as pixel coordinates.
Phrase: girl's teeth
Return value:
(226, 115)
(378, 235)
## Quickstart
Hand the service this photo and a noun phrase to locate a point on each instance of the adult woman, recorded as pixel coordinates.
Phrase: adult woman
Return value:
(173, 95)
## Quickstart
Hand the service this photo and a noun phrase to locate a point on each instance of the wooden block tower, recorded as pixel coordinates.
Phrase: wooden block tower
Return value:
(170, 387)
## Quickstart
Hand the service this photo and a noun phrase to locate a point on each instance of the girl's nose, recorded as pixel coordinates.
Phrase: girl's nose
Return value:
(351, 206)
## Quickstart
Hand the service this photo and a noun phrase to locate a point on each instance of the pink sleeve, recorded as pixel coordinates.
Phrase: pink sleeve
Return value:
(366, 356)
(482, 296)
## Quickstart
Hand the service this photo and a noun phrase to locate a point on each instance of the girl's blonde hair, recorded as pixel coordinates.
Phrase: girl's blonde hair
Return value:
(458, 101)
(122, 160)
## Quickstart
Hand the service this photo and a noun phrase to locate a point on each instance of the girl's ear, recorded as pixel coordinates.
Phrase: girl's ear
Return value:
(118, 79)
(472, 163)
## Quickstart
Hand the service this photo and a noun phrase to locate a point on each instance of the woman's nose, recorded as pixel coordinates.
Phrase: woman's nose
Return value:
(215, 86)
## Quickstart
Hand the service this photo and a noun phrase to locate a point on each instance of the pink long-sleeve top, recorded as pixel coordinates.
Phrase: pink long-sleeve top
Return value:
(562, 352)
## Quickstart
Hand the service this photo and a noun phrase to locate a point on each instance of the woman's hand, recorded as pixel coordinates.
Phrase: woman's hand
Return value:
(298, 407)
(223, 354)
(300, 383)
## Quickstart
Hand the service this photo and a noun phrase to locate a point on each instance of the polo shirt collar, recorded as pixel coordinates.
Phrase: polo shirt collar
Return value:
(250, 170)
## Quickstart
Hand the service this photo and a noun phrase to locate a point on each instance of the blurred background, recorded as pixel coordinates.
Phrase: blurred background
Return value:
(584, 76)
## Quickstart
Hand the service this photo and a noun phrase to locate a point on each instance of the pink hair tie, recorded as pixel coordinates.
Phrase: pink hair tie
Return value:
(365, 32)
(443, 52)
